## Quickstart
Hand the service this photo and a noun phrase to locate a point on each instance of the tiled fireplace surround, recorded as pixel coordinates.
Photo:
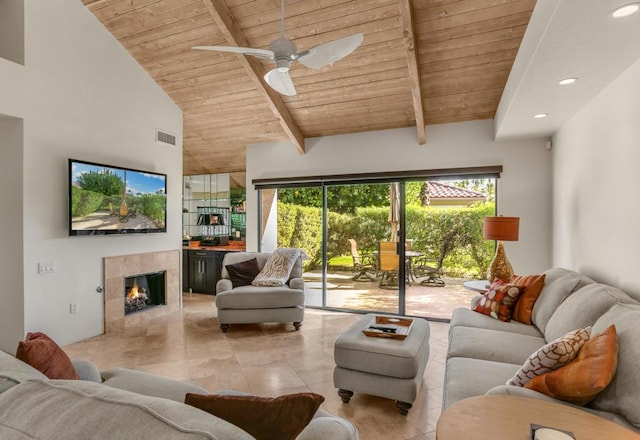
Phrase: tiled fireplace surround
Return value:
(118, 267)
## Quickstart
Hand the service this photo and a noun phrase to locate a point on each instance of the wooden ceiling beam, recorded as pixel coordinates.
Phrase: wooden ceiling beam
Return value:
(412, 65)
(221, 14)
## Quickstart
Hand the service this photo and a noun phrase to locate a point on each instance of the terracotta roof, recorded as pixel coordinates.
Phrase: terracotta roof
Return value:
(439, 190)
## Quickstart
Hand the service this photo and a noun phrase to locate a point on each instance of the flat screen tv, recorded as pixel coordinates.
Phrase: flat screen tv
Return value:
(105, 199)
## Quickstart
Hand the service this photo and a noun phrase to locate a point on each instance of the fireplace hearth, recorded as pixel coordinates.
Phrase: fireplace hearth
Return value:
(144, 291)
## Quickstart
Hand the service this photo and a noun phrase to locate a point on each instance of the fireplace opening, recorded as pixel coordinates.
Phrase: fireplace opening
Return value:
(144, 291)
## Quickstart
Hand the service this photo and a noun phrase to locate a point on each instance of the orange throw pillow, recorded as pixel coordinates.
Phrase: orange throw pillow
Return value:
(265, 418)
(530, 286)
(498, 301)
(589, 373)
(43, 354)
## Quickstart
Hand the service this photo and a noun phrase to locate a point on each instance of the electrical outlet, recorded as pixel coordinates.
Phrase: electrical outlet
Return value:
(73, 308)
(49, 267)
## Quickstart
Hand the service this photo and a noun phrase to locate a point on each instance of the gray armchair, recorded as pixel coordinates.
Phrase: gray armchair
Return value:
(252, 304)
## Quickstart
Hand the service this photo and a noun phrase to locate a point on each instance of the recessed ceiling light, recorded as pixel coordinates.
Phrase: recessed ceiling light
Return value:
(541, 115)
(567, 81)
(626, 10)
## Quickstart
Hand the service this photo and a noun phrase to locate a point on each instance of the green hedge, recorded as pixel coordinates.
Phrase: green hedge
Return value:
(452, 237)
(84, 202)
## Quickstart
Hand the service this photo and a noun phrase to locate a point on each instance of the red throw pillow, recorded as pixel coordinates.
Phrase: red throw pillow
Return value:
(265, 418)
(43, 354)
(499, 300)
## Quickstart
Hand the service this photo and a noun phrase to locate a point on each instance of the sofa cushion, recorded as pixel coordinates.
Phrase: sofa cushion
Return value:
(13, 371)
(43, 354)
(465, 317)
(61, 409)
(582, 309)
(149, 384)
(244, 272)
(530, 286)
(621, 396)
(584, 377)
(277, 269)
(266, 418)
(492, 345)
(254, 297)
(553, 355)
(498, 301)
(466, 377)
(559, 283)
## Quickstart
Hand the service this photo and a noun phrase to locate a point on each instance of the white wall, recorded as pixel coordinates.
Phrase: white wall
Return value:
(596, 222)
(12, 30)
(524, 189)
(81, 96)
(11, 256)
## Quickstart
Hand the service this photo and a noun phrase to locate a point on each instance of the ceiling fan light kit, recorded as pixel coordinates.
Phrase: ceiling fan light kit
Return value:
(283, 52)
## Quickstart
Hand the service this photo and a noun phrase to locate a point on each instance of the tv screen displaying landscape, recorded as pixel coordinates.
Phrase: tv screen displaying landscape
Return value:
(105, 199)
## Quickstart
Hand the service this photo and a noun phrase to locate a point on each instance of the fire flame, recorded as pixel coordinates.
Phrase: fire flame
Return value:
(134, 292)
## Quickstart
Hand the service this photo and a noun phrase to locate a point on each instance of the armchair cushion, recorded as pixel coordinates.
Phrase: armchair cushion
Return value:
(253, 297)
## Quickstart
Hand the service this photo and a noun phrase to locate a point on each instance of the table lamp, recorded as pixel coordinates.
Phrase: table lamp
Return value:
(501, 229)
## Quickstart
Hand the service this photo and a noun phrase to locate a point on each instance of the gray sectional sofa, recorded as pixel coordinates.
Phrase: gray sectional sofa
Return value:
(128, 404)
(484, 352)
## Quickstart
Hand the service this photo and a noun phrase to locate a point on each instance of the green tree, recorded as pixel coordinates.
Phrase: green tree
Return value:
(104, 182)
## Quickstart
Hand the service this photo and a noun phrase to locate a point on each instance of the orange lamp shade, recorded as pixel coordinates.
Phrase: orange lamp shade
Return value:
(501, 228)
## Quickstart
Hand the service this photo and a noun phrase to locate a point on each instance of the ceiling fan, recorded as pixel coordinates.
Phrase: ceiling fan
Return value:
(284, 52)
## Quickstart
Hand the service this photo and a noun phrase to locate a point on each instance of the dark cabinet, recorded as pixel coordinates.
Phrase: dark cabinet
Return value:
(202, 272)
(204, 268)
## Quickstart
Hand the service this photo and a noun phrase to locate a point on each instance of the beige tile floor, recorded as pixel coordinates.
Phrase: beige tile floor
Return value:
(268, 360)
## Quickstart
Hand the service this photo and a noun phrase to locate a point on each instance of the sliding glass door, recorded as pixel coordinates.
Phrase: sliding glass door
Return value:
(398, 246)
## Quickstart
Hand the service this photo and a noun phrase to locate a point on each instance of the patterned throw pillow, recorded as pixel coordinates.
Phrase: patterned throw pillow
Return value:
(584, 377)
(265, 418)
(498, 301)
(531, 286)
(552, 356)
(277, 269)
(43, 354)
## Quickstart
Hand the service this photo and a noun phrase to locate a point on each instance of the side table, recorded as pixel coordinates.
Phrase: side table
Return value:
(477, 285)
(510, 417)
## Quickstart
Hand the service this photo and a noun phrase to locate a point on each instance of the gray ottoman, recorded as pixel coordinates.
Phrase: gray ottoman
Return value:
(382, 367)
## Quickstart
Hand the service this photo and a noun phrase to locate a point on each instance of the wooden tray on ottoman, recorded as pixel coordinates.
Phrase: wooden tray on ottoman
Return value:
(399, 327)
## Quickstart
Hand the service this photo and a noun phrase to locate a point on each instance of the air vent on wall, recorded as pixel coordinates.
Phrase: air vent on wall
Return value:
(165, 138)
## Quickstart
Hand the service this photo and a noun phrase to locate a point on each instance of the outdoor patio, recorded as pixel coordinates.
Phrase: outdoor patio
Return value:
(426, 301)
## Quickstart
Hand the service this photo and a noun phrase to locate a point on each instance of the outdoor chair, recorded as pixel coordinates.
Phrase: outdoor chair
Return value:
(432, 276)
(363, 265)
(388, 263)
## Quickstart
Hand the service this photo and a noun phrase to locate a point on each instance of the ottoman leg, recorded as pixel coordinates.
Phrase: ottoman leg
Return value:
(403, 407)
(224, 328)
(297, 325)
(345, 395)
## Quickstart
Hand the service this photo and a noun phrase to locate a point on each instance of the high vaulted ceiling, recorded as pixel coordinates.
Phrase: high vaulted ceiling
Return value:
(430, 61)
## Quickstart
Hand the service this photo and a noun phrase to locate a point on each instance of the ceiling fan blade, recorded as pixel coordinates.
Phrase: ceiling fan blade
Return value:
(259, 53)
(280, 82)
(329, 53)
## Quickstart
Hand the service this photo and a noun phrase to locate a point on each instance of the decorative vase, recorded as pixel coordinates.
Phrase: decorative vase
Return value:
(500, 267)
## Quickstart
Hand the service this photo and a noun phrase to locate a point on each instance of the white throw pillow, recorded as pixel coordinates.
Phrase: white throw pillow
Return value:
(554, 355)
(277, 269)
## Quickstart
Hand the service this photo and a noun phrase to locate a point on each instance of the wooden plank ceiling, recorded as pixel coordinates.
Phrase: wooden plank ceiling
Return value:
(436, 61)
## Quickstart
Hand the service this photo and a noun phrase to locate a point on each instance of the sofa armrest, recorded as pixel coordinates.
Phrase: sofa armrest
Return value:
(296, 283)
(474, 301)
(86, 370)
(324, 427)
(223, 285)
(511, 390)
